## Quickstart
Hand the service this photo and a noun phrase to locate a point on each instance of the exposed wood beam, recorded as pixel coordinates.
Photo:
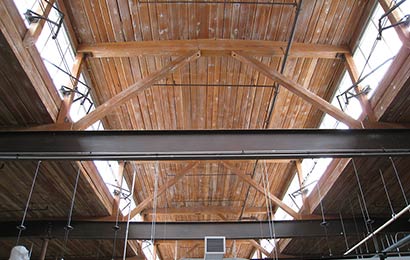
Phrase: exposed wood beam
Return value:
(326, 182)
(394, 81)
(63, 114)
(68, 24)
(299, 172)
(354, 76)
(141, 206)
(192, 249)
(13, 29)
(210, 47)
(204, 210)
(255, 244)
(34, 31)
(297, 89)
(259, 188)
(128, 93)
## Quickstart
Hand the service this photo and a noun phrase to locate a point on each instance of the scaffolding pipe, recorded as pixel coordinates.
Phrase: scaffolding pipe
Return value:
(372, 234)
(398, 244)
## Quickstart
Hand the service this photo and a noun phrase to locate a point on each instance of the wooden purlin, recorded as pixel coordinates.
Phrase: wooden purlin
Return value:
(209, 47)
(298, 90)
(104, 109)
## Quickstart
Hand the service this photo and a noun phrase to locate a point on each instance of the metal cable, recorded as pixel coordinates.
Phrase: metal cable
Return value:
(324, 223)
(129, 214)
(344, 230)
(21, 227)
(269, 209)
(68, 227)
(117, 227)
(399, 181)
(361, 190)
(387, 193)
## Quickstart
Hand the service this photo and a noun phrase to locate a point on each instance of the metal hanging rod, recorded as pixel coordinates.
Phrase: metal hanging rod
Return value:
(212, 85)
(217, 2)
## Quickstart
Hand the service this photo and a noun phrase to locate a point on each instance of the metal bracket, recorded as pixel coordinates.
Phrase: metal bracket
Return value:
(349, 95)
(405, 20)
(33, 17)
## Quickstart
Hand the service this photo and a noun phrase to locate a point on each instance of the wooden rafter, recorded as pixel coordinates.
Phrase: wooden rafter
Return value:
(297, 89)
(130, 92)
(141, 206)
(210, 47)
(255, 244)
(11, 26)
(259, 188)
(299, 172)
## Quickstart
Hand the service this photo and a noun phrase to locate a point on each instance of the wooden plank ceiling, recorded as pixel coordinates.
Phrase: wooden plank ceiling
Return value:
(208, 186)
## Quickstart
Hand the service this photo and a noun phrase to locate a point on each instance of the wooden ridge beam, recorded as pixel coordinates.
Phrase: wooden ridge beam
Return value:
(210, 47)
(141, 206)
(259, 188)
(298, 90)
(128, 93)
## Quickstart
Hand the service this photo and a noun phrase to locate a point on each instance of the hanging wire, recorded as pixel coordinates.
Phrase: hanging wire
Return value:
(269, 209)
(344, 230)
(387, 193)
(364, 220)
(116, 227)
(324, 223)
(399, 181)
(129, 213)
(356, 227)
(176, 250)
(21, 227)
(368, 220)
(68, 227)
(154, 213)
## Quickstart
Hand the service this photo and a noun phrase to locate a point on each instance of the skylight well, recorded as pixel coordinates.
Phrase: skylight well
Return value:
(373, 58)
(59, 58)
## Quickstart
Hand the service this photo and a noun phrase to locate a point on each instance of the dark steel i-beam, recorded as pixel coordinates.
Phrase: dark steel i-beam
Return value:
(203, 144)
(192, 230)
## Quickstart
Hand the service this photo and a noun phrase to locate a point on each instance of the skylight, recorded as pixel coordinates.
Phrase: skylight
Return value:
(370, 54)
(58, 56)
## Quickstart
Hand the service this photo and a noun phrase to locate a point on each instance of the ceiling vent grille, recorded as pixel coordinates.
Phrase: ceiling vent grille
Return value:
(214, 248)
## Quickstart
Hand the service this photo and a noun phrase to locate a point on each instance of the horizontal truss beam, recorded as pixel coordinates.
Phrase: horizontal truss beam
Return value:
(203, 144)
(192, 230)
(210, 47)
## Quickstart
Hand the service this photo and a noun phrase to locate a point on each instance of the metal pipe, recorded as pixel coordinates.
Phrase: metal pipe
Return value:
(216, 2)
(372, 234)
(211, 85)
(285, 58)
(398, 244)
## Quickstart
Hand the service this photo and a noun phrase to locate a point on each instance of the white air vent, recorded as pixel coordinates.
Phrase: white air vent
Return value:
(214, 248)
